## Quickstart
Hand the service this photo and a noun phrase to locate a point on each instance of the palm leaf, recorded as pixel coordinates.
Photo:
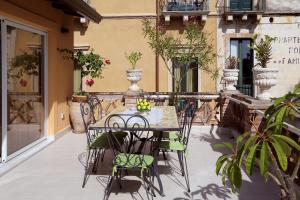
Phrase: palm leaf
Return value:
(264, 159)
(250, 159)
(280, 153)
(289, 141)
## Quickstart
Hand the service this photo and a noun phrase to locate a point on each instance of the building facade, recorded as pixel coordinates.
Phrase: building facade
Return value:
(120, 32)
(240, 20)
(36, 82)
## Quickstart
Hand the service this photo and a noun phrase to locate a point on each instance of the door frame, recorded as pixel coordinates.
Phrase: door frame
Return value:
(4, 23)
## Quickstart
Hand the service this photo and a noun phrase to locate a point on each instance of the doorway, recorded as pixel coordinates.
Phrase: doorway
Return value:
(23, 55)
(239, 48)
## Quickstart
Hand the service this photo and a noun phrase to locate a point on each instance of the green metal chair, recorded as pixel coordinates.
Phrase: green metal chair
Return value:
(135, 154)
(97, 140)
(180, 145)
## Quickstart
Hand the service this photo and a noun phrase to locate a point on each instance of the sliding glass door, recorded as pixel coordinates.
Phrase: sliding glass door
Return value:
(23, 95)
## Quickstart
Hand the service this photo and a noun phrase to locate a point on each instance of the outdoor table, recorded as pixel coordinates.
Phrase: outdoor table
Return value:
(161, 118)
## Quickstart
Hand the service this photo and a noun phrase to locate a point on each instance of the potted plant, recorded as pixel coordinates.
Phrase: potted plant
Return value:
(264, 77)
(231, 73)
(269, 148)
(90, 66)
(133, 74)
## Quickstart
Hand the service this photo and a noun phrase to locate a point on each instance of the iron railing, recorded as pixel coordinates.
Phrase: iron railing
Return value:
(208, 111)
(184, 5)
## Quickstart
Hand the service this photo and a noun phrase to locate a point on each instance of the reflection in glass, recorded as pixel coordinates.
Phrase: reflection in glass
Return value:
(25, 89)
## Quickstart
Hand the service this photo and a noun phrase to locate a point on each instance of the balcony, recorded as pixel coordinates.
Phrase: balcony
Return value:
(185, 9)
(244, 9)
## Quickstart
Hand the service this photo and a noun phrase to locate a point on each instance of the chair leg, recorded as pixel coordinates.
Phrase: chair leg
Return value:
(108, 188)
(180, 159)
(186, 174)
(85, 177)
(96, 160)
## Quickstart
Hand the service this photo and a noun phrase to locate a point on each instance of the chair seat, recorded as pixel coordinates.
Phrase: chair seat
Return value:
(102, 140)
(172, 145)
(172, 135)
(133, 160)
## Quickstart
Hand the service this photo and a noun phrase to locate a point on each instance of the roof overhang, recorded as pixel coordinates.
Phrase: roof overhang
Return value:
(77, 8)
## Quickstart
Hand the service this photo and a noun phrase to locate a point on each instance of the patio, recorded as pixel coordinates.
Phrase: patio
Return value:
(57, 173)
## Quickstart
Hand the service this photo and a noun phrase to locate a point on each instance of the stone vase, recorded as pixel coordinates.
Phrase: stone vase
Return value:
(265, 78)
(230, 76)
(134, 76)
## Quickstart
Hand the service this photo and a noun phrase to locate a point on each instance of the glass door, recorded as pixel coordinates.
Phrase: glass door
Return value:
(239, 48)
(23, 93)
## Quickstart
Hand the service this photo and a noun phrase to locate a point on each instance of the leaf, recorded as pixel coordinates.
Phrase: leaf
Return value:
(249, 142)
(282, 158)
(235, 176)
(264, 159)
(224, 145)
(220, 163)
(288, 140)
(250, 159)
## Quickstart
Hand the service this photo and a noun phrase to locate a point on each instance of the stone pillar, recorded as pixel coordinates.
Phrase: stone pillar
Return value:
(131, 97)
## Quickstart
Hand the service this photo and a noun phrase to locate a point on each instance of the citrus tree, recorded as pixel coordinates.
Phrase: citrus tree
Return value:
(267, 148)
(194, 46)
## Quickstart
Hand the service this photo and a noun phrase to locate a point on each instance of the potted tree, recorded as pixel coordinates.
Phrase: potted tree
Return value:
(90, 66)
(133, 74)
(264, 77)
(231, 73)
(269, 148)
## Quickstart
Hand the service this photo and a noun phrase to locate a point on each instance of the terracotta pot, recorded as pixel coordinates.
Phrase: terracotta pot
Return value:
(230, 76)
(134, 76)
(265, 78)
(77, 123)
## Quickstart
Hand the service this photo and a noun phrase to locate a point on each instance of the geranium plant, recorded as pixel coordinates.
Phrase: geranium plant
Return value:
(90, 64)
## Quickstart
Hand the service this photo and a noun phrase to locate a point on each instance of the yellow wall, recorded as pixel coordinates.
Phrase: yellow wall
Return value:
(40, 14)
(120, 31)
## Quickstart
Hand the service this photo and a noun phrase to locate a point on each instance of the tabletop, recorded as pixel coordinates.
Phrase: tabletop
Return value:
(161, 118)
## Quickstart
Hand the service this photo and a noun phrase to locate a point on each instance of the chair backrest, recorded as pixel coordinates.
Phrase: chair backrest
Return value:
(187, 117)
(139, 141)
(96, 107)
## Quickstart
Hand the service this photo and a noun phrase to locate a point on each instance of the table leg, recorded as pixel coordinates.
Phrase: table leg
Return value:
(155, 169)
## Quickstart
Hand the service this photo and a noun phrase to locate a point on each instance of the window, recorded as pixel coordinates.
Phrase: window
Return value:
(187, 74)
(242, 5)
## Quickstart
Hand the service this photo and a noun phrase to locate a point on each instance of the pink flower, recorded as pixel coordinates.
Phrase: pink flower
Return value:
(23, 83)
(89, 82)
(107, 61)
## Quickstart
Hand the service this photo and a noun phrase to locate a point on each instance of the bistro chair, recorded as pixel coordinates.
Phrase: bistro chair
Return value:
(97, 139)
(180, 146)
(135, 154)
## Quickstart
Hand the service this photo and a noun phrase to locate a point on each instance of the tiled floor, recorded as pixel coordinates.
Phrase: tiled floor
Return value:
(56, 173)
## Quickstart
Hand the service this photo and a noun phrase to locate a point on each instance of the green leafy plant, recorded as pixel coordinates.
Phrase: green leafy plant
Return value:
(133, 58)
(263, 50)
(267, 147)
(231, 62)
(25, 63)
(193, 46)
(90, 64)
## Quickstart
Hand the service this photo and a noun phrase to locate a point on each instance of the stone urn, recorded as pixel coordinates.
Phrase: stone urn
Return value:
(265, 78)
(77, 123)
(230, 76)
(134, 76)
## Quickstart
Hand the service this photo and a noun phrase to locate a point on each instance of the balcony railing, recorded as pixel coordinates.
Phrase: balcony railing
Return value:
(185, 6)
(244, 6)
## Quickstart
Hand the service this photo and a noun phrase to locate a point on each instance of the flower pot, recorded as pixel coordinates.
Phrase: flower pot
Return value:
(75, 114)
(134, 76)
(265, 78)
(230, 76)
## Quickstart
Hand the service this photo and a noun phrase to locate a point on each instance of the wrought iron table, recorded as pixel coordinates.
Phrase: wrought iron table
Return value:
(161, 118)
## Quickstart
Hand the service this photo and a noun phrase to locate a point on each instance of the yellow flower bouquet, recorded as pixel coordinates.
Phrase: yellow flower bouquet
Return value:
(143, 105)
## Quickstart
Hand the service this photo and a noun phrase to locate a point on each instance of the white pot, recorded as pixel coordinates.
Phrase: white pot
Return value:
(230, 76)
(265, 78)
(134, 76)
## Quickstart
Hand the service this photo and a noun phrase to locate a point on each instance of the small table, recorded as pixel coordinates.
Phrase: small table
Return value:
(161, 118)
